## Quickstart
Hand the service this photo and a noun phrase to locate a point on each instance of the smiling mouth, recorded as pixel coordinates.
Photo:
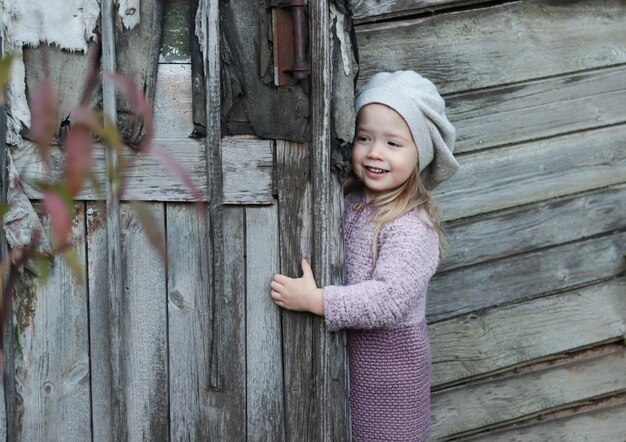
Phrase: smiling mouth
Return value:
(376, 170)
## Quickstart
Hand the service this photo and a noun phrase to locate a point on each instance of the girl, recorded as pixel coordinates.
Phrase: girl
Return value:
(393, 240)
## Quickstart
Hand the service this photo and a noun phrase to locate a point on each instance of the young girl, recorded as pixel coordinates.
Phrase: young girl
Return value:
(402, 148)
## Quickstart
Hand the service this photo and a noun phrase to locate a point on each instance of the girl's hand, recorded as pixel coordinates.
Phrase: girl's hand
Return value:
(300, 294)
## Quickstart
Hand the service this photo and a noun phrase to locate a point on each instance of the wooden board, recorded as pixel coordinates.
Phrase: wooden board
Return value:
(265, 396)
(602, 425)
(99, 326)
(525, 228)
(173, 118)
(538, 108)
(471, 407)
(188, 322)
(247, 167)
(488, 341)
(366, 10)
(294, 201)
(227, 407)
(144, 331)
(52, 361)
(512, 176)
(247, 179)
(502, 44)
(525, 276)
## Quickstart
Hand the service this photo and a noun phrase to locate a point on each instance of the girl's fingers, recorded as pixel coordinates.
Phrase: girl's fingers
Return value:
(281, 279)
(276, 286)
(306, 269)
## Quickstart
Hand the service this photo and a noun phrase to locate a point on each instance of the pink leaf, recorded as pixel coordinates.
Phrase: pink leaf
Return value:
(78, 157)
(44, 109)
(60, 217)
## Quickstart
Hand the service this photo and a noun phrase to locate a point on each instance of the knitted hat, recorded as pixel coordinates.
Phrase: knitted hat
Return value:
(416, 99)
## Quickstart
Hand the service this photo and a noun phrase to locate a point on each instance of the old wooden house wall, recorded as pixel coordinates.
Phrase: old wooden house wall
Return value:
(527, 314)
(197, 350)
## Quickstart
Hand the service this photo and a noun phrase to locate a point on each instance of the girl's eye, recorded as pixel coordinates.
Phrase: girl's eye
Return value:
(362, 138)
(393, 144)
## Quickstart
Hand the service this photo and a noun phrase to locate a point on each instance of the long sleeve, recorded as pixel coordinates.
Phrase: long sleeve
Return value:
(407, 258)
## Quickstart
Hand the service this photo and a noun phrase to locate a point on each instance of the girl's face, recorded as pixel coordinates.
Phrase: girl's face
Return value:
(384, 154)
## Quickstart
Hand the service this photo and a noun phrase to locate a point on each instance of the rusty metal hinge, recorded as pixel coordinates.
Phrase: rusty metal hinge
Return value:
(289, 41)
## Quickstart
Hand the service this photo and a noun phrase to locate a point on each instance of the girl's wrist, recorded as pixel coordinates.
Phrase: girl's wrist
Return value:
(317, 302)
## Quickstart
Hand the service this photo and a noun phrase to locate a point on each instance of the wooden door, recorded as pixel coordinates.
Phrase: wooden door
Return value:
(195, 350)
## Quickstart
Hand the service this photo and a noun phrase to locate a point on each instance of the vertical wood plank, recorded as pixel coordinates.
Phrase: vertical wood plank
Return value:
(227, 407)
(144, 330)
(264, 372)
(294, 199)
(99, 327)
(329, 353)
(115, 283)
(52, 366)
(188, 322)
(211, 24)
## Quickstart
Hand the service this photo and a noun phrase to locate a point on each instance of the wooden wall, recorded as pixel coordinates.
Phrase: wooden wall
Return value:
(527, 314)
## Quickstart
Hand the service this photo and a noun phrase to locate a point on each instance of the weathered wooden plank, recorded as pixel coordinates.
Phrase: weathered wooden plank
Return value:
(366, 10)
(52, 363)
(265, 404)
(325, 423)
(507, 43)
(137, 55)
(487, 341)
(188, 322)
(247, 167)
(115, 278)
(294, 199)
(227, 407)
(538, 109)
(99, 323)
(247, 176)
(173, 103)
(175, 34)
(511, 176)
(525, 276)
(522, 229)
(144, 330)
(602, 425)
(471, 407)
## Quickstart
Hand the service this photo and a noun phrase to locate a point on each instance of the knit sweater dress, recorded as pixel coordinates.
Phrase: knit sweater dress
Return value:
(383, 308)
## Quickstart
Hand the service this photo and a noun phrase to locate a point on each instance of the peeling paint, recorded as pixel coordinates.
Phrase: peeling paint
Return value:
(128, 11)
(69, 24)
(17, 111)
(201, 30)
(338, 17)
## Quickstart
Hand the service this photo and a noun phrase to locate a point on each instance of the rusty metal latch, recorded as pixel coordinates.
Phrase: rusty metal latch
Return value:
(289, 41)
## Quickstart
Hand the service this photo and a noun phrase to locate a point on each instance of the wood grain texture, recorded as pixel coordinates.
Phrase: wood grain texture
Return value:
(227, 407)
(247, 167)
(137, 56)
(525, 276)
(512, 42)
(173, 102)
(99, 323)
(602, 425)
(294, 201)
(144, 328)
(525, 228)
(365, 10)
(512, 176)
(188, 322)
(265, 397)
(471, 407)
(52, 365)
(537, 109)
(329, 358)
(487, 341)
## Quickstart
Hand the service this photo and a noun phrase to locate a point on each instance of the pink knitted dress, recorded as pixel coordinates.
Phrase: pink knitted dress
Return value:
(383, 309)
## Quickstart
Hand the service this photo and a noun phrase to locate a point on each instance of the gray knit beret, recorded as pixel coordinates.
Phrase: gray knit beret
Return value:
(416, 99)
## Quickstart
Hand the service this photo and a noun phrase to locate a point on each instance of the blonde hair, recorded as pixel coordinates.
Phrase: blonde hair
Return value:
(410, 196)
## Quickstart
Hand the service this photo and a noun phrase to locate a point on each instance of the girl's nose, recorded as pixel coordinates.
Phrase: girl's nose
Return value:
(375, 151)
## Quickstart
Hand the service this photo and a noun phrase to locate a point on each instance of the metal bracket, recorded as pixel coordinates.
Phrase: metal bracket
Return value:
(288, 22)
